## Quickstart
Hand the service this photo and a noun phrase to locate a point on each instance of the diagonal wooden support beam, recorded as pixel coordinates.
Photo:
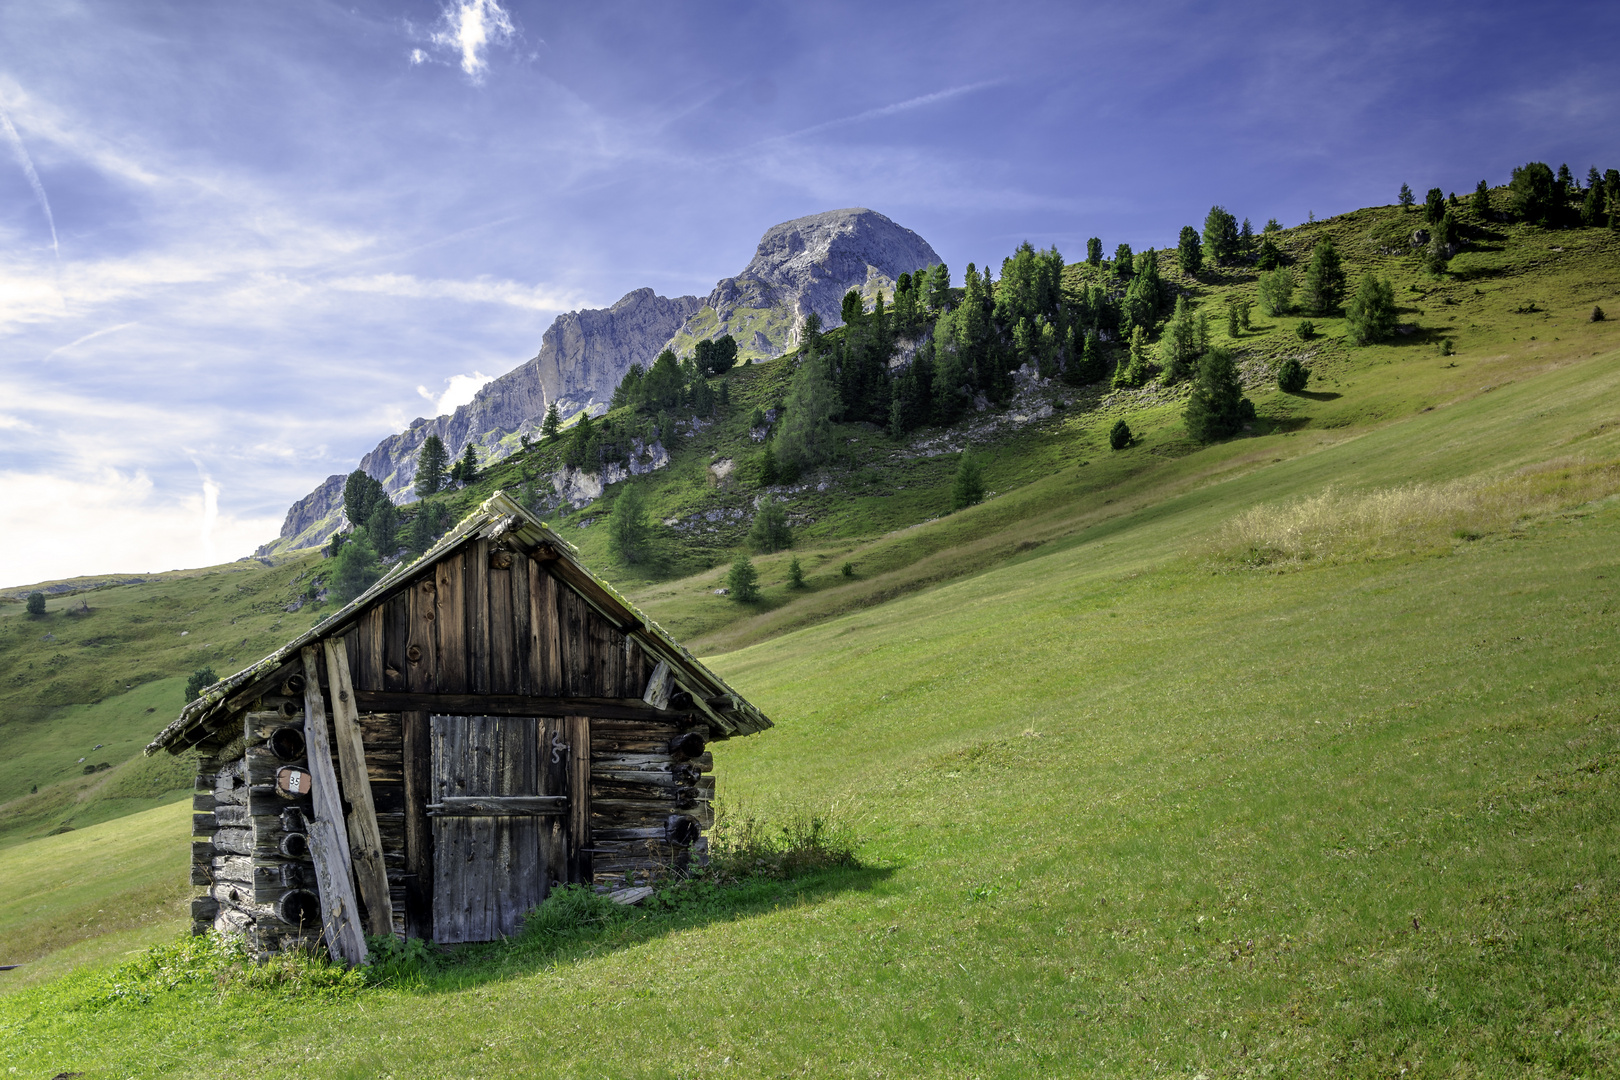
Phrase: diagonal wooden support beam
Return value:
(365, 839)
(340, 912)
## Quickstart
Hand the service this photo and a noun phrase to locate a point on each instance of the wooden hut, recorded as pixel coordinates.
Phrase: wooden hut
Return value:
(482, 725)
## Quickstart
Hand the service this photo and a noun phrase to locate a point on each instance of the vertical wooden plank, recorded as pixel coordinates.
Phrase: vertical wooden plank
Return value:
(418, 762)
(519, 632)
(545, 648)
(577, 675)
(340, 913)
(396, 639)
(502, 643)
(555, 764)
(365, 839)
(450, 608)
(422, 648)
(579, 797)
(449, 852)
(373, 633)
(477, 564)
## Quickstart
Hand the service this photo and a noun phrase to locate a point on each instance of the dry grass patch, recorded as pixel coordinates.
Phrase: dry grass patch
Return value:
(1340, 526)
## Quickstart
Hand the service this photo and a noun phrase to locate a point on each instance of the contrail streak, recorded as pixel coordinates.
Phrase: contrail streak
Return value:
(33, 178)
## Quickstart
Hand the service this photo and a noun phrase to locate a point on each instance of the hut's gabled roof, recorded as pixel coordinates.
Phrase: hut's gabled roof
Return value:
(725, 710)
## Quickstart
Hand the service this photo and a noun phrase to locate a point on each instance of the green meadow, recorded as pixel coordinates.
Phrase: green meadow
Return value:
(1294, 755)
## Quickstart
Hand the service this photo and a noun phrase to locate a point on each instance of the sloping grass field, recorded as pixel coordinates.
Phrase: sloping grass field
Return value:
(1142, 797)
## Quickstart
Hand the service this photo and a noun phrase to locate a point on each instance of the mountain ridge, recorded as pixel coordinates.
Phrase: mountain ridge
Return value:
(799, 266)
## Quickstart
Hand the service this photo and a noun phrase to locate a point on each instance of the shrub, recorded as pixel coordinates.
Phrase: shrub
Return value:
(36, 600)
(1292, 375)
(848, 569)
(1119, 436)
(200, 680)
(795, 574)
(1596, 316)
(1306, 329)
(743, 581)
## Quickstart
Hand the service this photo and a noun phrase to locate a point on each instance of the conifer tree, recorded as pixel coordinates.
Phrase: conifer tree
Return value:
(967, 489)
(1270, 255)
(1434, 205)
(804, 439)
(361, 494)
(357, 568)
(795, 574)
(1245, 238)
(36, 606)
(1531, 194)
(1136, 368)
(1178, 347)
(1092, 367)
(939, 290)
(1481, 201)
(200, 680)
(1371, 315)
(1220, 236)
(1592, 205)
(628, 530)
(769, 474)
(1292, 375)
(383, 528)
(1324, 279)
(431, 463)
(769, 532)
(1094, 251)
(1119, 436)
(742, 583)
(1123, 261)
(1189, 251)
(1216, 408)
(467, 467)
(1406, 198)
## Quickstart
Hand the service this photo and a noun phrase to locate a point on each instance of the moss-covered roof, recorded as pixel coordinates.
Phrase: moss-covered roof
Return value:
(498, 517)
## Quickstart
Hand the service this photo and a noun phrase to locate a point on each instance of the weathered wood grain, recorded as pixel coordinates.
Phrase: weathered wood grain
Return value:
(418, 761)
(365, 843)
(328, 840)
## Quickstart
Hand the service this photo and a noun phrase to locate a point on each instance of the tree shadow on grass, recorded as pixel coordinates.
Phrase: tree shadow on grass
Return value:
(582, 926)
(1315, 395)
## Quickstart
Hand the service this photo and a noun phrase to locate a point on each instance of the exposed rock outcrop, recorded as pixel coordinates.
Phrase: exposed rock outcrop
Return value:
(800, 266)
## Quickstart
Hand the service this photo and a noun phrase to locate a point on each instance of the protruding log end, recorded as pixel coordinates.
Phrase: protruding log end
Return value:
(682, 831)
(300, 907)
(287, 743)
(295, 845)
(294, 686)
(686, 746)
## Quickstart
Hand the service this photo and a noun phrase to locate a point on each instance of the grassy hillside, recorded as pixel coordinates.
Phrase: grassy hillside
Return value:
(1291, 755)
(1128, 803)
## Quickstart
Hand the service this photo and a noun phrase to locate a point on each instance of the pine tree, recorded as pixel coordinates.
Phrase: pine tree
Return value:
(1531, 194)
(357, 567)
(1123, 261)
(426, 525)
(1094, 251)
(1245, 238)
(1119, 436)
(795, 574)
(1270, 256)
(805, 439)
(1178, 347)
(552, 425)
(628, 530)
(1216, 408)
(1406, 198)
(1592, 205)
(1371, 315)
(468, 464)
(1232, 328)
(1090, 366)
(431, 463)
(939, 290)
(200, 680)
(769, 474)
(769, 532)
(1324, 279)
(1434, 205)
(1220, 236)
(742, 583)
(1137, 369)
(361, 494)
(1190, 251)
(967, 489)
(1481, 201)
(383, 527)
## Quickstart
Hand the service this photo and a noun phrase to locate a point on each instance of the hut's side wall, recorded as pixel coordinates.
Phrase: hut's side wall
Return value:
(638, 785)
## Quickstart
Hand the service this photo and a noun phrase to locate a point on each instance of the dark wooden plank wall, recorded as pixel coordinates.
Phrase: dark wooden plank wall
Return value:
(492, 620)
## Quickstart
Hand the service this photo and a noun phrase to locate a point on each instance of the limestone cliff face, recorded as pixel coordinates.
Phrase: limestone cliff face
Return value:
(800, 266)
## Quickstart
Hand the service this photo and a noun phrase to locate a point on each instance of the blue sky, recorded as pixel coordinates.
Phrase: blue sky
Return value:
(239, 243)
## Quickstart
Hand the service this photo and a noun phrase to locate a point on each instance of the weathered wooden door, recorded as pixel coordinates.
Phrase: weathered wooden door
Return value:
(501, 835)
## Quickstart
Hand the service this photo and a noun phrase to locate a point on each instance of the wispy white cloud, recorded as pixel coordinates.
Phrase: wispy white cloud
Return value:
(27, 164)
(887, 110)
(90, 337)
(481, 290)
(470, 27)
(459, 390)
